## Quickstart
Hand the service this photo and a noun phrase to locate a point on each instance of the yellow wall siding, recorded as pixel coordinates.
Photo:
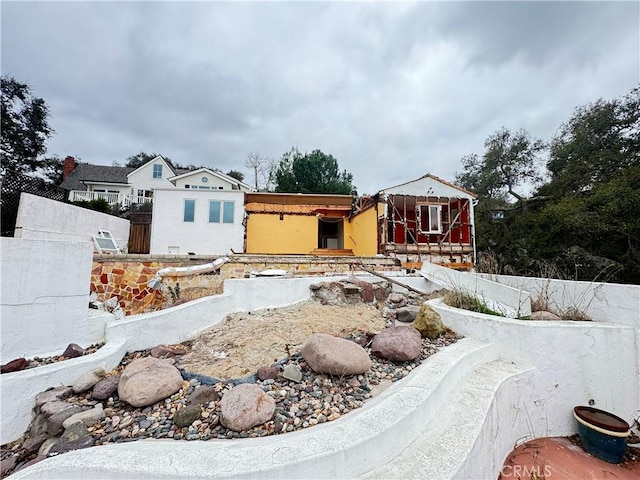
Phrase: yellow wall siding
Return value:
(360, 235)
(266, 233)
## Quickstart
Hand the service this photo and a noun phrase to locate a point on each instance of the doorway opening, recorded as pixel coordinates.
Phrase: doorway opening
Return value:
(331, 233)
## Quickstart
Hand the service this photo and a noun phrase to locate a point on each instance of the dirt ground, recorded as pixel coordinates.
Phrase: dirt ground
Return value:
(244, 342)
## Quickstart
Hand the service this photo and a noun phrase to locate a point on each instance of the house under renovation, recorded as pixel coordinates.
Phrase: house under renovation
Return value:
(307, 224)
(427, 220)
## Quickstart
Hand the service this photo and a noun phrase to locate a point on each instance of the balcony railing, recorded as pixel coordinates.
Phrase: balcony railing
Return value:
(112, 198)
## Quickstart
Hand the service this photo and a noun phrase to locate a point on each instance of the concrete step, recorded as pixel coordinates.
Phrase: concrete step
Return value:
(441, 450)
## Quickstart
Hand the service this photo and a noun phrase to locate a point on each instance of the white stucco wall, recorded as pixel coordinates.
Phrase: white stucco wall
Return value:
(168, 228)
(575, 362)
(44, 297)
(19, 389)
(511, 301)
(604, 302)
(41, 218)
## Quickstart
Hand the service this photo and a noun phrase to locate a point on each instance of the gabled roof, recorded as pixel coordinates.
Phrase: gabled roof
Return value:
(399, 188)
(171, 169)
(215, 173)
(86, 173)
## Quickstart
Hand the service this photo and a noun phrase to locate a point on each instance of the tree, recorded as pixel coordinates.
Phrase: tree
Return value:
(25, 127)
(235, 174)
(136, 161)
(263, 170)
(314, 172)
(510, 161)
(600, 140)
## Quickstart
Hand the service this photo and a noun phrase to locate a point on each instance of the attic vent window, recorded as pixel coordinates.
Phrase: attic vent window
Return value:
(157, 171)
(205, 179)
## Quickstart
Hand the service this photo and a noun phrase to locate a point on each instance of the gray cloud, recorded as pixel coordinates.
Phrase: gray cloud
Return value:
(392, 90)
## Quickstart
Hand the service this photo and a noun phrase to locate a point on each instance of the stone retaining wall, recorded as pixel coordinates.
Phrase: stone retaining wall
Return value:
(126, 276)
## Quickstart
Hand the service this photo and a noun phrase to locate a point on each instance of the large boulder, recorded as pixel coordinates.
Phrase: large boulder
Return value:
(73, 350)
(203, 395)
(407, 314)
(88, 380)
(428, 322)
(187, 415)
(245, 406)
(58, 393)
(544, 315)
(88, 417)
(148, 380)
(335, 356)
(106, 387)
(398, 344)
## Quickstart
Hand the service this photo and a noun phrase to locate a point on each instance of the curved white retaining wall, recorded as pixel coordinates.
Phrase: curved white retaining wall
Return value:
(604, 302)
(19, 389)
(344, 448)
(138, 332)
(576, 362)
(511, 301)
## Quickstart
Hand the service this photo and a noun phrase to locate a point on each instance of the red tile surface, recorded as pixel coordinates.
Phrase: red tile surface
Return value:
(560, 458)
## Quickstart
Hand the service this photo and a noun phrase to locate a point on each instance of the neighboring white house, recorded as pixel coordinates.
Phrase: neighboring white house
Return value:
(126, 185)
(207, 179)
(123, 185)
(198, 221)
(152, 175)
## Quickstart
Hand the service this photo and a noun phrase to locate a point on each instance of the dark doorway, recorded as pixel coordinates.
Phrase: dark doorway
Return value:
(330, 233)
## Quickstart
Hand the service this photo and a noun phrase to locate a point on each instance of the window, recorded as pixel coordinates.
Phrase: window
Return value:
(157, 171)
(226, 210)
(430, 219)
(227, 214)
(189, 210)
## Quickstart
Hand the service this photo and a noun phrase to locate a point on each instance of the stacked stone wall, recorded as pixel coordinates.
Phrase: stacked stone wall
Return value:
(126, 276)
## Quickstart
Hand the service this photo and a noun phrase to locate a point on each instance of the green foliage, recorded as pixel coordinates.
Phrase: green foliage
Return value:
(25, 128)
(139, 159)
(99, 205)
(510, 160)
(600, 140)
(458, 298)
(235, 174)
(314, 172)
(583, 222)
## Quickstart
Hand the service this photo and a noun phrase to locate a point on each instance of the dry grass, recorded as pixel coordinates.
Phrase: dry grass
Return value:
(574, 313)
(459, 298)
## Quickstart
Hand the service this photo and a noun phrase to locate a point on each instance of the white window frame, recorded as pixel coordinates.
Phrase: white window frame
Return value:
(220, 220)
(159, 165)
(105, 243)
(184, 210)
(432, 210)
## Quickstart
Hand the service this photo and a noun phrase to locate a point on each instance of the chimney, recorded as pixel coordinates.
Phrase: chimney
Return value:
(69, 166)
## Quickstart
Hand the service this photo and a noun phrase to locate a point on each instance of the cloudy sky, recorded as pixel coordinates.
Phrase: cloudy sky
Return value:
(392, 90)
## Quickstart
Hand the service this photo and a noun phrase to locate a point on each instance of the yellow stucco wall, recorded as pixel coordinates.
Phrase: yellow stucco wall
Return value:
(360, 234)
(266, 233)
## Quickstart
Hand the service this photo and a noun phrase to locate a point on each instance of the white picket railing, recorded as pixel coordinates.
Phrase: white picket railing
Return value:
(112, 198)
